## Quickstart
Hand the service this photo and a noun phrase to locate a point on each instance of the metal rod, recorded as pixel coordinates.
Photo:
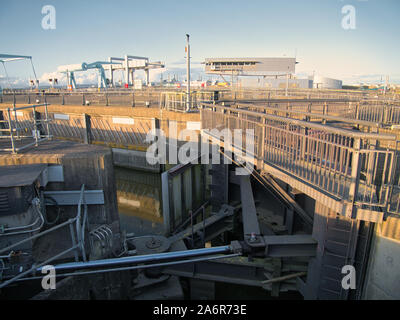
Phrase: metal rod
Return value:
(38, 235)
(206, 258)
(29, 107)
(283, 278)
(47, 120)
(33, 268)
(141, 259)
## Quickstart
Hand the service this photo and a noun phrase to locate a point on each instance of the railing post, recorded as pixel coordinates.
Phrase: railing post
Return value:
(133, 99)
(87, 133)
(357, 115)
(2, 125)
(304, 144)
(155, 125)
(63, 101)
(355, 177)
(47, 121)
(36, 128)
(11, 131)
(38, 125)
(324, 112)
(372, 159)
(385, 113)
(83, 99)
(309, 111)
(261, 151)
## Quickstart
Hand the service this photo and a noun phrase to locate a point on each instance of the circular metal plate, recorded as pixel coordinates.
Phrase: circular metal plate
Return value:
(150, 244)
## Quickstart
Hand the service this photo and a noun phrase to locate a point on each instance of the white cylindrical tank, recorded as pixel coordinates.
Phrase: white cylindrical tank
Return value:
(321, 82)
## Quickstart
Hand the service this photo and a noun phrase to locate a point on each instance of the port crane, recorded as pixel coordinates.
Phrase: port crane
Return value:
(129, 64)
(70, 70)
(14, 57)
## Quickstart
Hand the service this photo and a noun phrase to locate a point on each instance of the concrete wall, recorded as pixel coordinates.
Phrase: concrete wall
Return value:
(133, 159)
(383, 273)
(82, 164)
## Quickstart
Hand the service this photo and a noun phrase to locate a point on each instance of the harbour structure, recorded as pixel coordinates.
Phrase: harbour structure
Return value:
(5, 58)
(70, 70)
(271, 73)
(250, 66)
(323, 195)
(298, 230)
(129, 64)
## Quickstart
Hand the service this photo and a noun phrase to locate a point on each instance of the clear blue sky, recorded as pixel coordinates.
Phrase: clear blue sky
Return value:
(94, 30)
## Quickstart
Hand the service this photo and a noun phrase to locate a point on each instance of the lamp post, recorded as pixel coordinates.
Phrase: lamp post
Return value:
(188, 74)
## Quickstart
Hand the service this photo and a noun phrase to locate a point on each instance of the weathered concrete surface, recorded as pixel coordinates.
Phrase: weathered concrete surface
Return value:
(115, 127)
(170, 289)
(133, 159)
(104, 286)
(383, 274)
(83, 164)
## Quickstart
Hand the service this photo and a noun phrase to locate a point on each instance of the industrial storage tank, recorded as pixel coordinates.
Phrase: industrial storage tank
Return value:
(321, 82)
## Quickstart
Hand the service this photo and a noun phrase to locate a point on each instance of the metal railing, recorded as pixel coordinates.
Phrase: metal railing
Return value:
(338, 113)
(387, 113)
(381, 113)
(77, 238)
(17, 126)
(270, 93)
(176, 100)
(104, 98)
(347, 165)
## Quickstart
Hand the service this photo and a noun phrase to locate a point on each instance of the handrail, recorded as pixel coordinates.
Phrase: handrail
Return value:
(28, 107)
(330, 129)
(316, 115)
(347, 166)
(14, 126)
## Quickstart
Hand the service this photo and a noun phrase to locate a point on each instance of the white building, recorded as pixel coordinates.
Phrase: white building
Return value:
(250, 66)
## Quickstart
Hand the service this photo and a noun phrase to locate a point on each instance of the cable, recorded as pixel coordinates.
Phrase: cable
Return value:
(58, 208)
